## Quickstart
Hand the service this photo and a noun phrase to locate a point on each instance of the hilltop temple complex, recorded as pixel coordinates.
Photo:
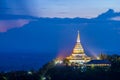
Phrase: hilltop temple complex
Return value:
(78, 55)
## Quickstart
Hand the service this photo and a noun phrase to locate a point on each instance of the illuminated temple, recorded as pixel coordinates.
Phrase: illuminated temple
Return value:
(79, 58)
(78, 55)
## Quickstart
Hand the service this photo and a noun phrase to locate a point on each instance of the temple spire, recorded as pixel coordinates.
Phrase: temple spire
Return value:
(78, 55)
(78, 37)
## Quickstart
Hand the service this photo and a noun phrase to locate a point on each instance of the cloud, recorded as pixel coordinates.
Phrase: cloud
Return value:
(5, 25)
(15, 17)
(116, 18)
(62, 12)
(8, 21)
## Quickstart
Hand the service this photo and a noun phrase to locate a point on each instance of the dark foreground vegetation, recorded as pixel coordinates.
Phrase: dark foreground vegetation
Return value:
(51, 71)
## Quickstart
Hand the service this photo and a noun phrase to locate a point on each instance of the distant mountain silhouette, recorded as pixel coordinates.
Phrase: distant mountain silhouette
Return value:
(42, 30)
(108, 15)
(31, 37)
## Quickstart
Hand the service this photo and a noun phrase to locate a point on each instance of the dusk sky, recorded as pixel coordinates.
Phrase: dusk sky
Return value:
(29, 39)
(58, 8)
(52, 8)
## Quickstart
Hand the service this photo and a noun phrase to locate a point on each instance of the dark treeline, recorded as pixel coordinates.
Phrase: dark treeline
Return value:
(51, 71)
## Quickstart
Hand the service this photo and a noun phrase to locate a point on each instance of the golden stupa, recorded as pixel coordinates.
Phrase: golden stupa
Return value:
(78, 55)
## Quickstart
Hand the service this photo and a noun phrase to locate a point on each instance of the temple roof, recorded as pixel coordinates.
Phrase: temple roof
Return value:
(98, 62)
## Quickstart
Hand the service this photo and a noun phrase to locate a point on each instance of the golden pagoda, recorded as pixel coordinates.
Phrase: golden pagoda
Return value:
(78, 55)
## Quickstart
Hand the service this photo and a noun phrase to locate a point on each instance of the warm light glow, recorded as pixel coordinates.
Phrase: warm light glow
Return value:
(78, 55)
(98, 58)
(78, 48)
(58, 61)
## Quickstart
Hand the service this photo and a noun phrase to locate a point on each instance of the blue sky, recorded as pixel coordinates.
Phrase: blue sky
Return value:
(59, 8)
